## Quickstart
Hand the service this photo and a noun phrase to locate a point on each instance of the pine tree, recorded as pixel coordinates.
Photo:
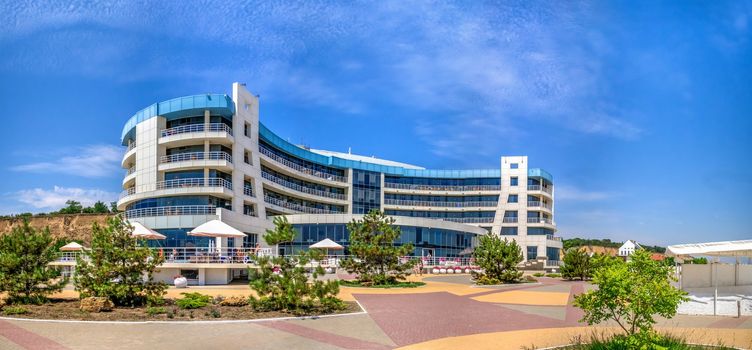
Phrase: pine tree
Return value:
(119, 267)
(498, 260)
(375, 257)
(576, 265)
(24, 271)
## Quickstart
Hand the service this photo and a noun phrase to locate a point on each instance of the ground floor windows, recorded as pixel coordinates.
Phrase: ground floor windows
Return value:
(532, 252)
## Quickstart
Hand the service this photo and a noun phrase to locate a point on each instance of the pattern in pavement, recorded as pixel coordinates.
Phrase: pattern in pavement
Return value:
(446, 312)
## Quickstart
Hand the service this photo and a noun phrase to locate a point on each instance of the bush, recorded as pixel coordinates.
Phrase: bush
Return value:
(193, 301)
(651, 341)
(374, 256)
(553, 275)
(539, 274)
(630, 293)
(576, 264)
(25, 274)
(155, 310)
(369, 285)
(15, 310)
(118, 266)
(498, 259)
(282, 283)
(234, 301)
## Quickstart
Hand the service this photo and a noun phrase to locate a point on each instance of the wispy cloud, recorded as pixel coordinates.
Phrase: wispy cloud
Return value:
(568, 193)
(55, 198)
(89, 161)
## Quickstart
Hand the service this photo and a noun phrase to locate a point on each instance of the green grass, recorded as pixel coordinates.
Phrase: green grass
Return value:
(395, 285)
(15, 310)
(624, 342)
(155, 310)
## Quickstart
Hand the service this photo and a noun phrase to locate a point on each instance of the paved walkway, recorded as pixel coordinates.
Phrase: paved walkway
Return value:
(448, 313)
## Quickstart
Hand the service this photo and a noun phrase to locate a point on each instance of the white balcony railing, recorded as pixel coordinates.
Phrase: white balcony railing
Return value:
(410, 203)
(172, 210)
(298, 207)
(185, 183)
(553, 238)
(130, 146)
(248, 191)
(442, 188)
(299, 188)
(189, 156)
(300, 168)
(127, 192)
(130, 170)
(484, 220)
(215, 127)
(509, 220)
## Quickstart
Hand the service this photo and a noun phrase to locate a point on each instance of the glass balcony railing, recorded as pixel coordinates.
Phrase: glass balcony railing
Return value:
(298, 207)
(442, 188)
(300, 168)
(299, 188)
(539, 188)
(539, 204)
(468, 220)
(212, 127)
(536, 220)
(553, 238)
(509, 220)
(189, 156)
(439, 204)
(172, 210)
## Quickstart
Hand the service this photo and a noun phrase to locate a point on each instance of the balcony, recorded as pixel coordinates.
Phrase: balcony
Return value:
(299, 188)
(442, 188)
(469, 220)
(553, 238)
(299, 168)
(127, 193)
(439, 204)
(189, 156)
(186, 134)
(130, 177)
(130, 155)
(171, 211)
(509, 220)
(539, 204)
(297, 207)
(194, 182)
(130, 170)
(537, 220)
(546, 189)
(248, 191)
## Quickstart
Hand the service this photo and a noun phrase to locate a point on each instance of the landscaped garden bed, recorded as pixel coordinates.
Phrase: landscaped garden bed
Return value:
(399, 284)
(69, 309)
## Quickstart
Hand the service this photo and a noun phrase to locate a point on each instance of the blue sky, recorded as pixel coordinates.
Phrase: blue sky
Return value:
(641, 110)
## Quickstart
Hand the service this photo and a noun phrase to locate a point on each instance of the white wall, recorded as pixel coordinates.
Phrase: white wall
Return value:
(217, 276)
(699, 275)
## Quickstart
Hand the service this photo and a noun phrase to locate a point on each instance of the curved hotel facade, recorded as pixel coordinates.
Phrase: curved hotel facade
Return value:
(198, 158)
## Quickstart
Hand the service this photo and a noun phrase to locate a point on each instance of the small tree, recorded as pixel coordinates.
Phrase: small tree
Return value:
(498, 260)
(100, 208)
(576, 264)
(24, 271)
(71, 207)
(630, 293)
(118, 266)
(282, 283)
(375, 257)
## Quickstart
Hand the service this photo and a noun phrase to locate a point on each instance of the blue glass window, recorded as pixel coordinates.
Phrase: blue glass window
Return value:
(513, 181)
(512, 198)
(532, 252)
(514, 166)
(509, 231)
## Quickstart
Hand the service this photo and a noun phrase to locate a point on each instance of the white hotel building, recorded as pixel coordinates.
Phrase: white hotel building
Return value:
(198, 158)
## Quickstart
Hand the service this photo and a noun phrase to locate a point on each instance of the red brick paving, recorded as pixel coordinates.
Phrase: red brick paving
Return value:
(25, 339)
(325, 337)
(414, 318)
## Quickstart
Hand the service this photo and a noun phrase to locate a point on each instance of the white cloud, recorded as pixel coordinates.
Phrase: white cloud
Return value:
(54, 199)
(88, 161)
(574, 194)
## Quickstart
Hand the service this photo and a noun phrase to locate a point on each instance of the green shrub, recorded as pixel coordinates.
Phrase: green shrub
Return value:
(553, 275)
(576, 264)
(25, 273)
(155, 310)
(193, 301)
(538, 274)
(498, 259)
(15, 310)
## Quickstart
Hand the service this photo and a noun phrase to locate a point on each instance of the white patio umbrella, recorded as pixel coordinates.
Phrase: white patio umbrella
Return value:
(216, 228)
(141, 231)
(71, 247)
(326, 244)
